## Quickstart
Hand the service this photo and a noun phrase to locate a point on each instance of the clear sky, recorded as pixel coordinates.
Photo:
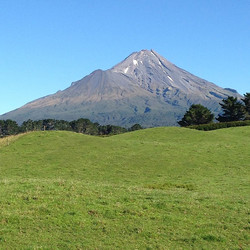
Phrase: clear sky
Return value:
(47, 44)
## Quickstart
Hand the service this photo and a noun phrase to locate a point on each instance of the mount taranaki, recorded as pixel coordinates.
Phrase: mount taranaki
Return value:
(144, 88)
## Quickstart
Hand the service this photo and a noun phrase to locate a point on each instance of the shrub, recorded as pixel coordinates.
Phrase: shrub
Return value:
(213, 126)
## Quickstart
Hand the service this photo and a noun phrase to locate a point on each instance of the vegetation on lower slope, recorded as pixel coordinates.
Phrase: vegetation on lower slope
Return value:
(156, 188)
(85, 126)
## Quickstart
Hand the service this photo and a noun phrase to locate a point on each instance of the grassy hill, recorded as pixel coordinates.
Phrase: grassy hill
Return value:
(170, 188)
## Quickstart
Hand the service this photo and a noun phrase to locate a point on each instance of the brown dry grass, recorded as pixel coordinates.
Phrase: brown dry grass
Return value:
(5, 141)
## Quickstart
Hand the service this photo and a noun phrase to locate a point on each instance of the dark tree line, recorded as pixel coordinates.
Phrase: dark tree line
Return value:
(232, 110)
(85, 126)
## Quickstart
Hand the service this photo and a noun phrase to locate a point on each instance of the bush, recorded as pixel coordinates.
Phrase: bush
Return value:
(135, 127)
(213, 126)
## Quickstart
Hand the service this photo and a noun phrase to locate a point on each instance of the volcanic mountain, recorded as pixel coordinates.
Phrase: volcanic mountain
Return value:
(144, 88)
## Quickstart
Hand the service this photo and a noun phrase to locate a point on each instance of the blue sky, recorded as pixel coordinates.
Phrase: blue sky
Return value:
(47, 44)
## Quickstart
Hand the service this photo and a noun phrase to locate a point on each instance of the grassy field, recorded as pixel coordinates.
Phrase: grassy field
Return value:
(165, 188)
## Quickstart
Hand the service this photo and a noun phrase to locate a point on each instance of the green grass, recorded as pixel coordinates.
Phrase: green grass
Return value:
(166, 188)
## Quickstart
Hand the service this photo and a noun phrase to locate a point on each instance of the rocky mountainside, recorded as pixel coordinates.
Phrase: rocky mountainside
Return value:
(144, 88)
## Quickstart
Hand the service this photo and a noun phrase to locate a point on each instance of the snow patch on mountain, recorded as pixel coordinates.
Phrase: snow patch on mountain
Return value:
(170, 78)
(126, 70)
(135, 62)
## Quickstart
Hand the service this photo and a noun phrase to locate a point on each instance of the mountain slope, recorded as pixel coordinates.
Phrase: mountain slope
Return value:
(145, 88)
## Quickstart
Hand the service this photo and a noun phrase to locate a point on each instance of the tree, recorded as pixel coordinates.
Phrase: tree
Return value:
(27, 126)
(38, 125)
(246, 101)
(62, 125)
(135, 127)
(49, 124)
(2, 128)
(111, 130)
(233, 110)
(84, 126)
(197, 114)
(10, 127)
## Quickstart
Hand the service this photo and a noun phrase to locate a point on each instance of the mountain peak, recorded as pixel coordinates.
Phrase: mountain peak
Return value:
(143, 60)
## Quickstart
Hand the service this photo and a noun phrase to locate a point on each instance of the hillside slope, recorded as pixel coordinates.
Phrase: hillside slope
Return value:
(154, 188)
